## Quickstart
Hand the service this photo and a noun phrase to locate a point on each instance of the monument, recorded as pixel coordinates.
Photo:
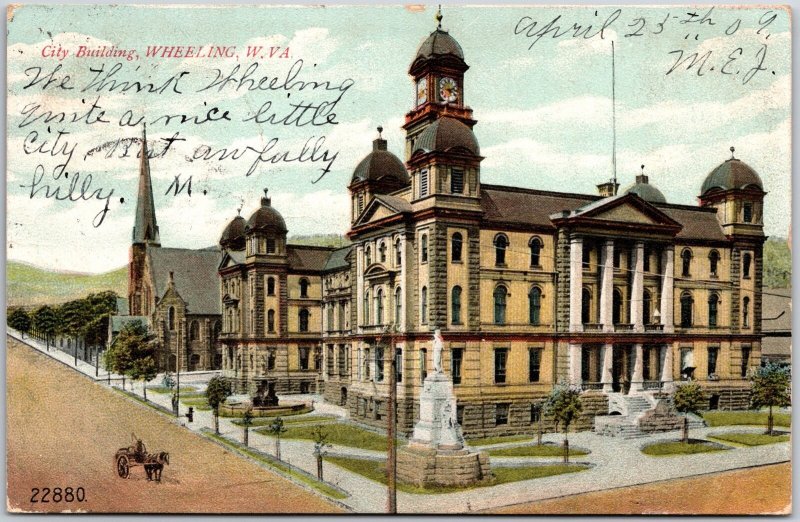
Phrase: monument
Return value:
(437, 453)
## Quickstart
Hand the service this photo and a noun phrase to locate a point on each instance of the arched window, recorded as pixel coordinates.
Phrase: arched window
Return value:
(586, 306)
(366, 308)
(647, 304)
(616, 306)
(686, 309)
(713, 307)
(535, 305)
(455, 305)
(746, 312)
(271, 320)
(686, 257)
(194, 331)
(424, 248)
(270, 286)
(367, 256)
(455, 247)
(304, 287)
(379, 306)
(535, 245)
(500, 246)
(398, 306)
(303, 319)
(171, 318)
(382, 252)
(713, 261)
(746, 261)
(424, 305)
(500, 294)
(398, 253)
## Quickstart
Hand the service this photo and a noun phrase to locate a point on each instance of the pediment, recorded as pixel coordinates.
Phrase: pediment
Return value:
(626, 214)
(377, 210)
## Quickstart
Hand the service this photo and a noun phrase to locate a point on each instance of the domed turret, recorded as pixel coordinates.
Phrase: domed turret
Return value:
(266, 218)
(731, 174)
(233, 235)
(381, 166)
(447, 134)
(439, 43)
(645, 190)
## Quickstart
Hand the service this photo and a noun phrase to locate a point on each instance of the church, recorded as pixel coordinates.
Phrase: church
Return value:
(620, 293)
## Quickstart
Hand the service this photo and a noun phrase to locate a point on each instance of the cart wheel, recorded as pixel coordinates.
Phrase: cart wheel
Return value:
(123, 470)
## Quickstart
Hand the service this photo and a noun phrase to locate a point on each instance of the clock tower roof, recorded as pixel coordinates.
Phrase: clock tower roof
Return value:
(439, 43)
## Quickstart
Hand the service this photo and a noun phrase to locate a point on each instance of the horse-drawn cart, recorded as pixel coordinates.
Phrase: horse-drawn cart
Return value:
(136, 455)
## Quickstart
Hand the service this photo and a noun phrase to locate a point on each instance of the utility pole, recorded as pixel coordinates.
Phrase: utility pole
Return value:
(391, 419)
(178, 374)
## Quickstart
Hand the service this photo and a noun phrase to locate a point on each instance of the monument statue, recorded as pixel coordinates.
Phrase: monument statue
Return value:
(438, 346)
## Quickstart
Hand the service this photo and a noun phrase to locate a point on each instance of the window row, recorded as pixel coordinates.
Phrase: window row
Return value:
(502, 245)
(374, 307)
(383, 254)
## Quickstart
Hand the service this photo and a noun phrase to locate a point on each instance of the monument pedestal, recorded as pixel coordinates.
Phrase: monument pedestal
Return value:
(436, 453)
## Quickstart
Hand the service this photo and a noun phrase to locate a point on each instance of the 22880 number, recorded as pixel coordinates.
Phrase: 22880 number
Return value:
(56, 495)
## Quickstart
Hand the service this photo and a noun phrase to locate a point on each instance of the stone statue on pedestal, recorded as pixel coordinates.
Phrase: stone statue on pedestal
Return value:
(438, 346)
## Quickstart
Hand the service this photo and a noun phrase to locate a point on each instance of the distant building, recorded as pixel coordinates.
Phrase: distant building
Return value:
(777, 326)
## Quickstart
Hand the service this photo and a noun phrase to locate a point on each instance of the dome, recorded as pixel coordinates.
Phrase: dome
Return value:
(381, 165)
(439, 43)
(233, 235)
(731, 174)
(447, 134)
(266, 218)
(645, 190)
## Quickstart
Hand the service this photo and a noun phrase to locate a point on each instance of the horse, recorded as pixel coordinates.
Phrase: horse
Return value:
(154, 465)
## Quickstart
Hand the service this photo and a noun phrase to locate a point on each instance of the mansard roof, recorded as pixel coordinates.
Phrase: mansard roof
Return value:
(195, 275)
(307, 257)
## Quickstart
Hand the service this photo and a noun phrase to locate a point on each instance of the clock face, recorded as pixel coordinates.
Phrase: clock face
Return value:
(422, 91)
(448, 90)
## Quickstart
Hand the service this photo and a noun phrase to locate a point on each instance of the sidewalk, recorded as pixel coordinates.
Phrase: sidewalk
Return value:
(616, 462)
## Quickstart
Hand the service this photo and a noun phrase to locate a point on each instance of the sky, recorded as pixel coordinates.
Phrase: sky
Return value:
(541, 94)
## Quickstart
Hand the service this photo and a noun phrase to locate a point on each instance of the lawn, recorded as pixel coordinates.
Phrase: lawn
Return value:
(681, 448)
(533, 450)
(745, 418)
(278, 465)
(287, 411)
(338, 435)
(750, 439)
(498, 440)
(376, 470)
(164, 389)
(200, 403)
(266, 421)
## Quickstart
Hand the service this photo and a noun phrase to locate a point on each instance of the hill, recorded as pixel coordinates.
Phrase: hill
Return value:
(27, 285)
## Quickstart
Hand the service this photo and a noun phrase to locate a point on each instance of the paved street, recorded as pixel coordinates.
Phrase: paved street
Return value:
(616, 463)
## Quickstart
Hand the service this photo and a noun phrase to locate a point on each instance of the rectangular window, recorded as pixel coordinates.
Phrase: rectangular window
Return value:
(713, 353)
(303, 357)
(330, 317)
(500, 358)
(423, 183)
(748, 213)
(340, 361)
(456, 181)
(379, 364)
(340, 321)
(398, 364)
(501, 414)
(456, 358)
(366, 364)
(745, 359)
(270, 246)
(534, 364)
(423, 363)
(330, 363)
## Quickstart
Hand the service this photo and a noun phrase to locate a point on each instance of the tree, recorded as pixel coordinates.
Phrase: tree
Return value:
(771, 387)
(19, 320)
(688, 398)
(125, 355)
(247, 421)
(276, 429)
(564, 404)
(217, 391)
(144, 369)
(321, 445)
(46, 322)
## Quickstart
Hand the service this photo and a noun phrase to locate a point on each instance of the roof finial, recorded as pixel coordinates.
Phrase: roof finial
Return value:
(380, 131)
(265, 191)
(642, 169)
(733, 149)
(439, 16)
(265, 202)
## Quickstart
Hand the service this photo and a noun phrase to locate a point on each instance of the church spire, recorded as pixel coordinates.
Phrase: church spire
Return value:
(145, 229)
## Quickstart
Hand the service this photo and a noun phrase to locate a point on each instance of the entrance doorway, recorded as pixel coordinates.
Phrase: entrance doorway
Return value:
(620, 369)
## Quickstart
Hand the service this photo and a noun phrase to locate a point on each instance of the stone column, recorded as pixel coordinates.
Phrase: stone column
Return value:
(637, 288)
(607, 286)
(575, 362)
(667, 290)
(607, 358)
(575, 284)
(666, 369)
(638, 369)
(404, 282)
(359, 290)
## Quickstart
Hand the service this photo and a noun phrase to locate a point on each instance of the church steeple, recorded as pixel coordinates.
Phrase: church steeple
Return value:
(145, 228)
